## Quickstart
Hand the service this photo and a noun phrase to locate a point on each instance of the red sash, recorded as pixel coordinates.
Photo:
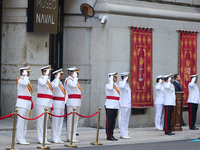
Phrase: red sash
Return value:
(45, 96)
(28, 98)
(59, 98)
(113, 98)
(76, 96)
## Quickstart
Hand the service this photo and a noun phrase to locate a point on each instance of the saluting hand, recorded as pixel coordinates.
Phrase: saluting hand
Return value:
(24, 73)
(47, 72)
(58, 76)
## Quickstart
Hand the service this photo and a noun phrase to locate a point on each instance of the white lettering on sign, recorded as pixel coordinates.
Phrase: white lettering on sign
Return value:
(47, 4)
(44, 18)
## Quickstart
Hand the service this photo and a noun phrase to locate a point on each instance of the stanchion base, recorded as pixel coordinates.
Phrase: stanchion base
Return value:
(96, 144)
(75, 146)
(11, 149)
(43, 147)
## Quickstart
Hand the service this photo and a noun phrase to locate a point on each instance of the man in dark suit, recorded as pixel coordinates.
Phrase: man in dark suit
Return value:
(178, 87)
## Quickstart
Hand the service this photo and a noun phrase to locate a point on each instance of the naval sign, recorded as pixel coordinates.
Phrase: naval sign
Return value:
(43, 16)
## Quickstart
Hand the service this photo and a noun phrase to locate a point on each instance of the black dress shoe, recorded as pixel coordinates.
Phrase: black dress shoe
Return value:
(168, 133)
(115, 138)
(172, 133)
(110, 139)
(77, 134)
(194, 128)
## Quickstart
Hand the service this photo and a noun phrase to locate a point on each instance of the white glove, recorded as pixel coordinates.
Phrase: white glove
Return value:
(75, 74)
(111, 78)
(125, 79)
(58, 76)
(47, 72)
(160, 81)
(193, 79)
(169, 79)
(24, 73)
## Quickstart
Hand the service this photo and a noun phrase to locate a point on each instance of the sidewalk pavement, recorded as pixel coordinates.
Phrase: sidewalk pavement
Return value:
(88, 135)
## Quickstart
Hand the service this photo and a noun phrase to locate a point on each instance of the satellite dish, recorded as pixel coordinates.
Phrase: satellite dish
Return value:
(87, 10)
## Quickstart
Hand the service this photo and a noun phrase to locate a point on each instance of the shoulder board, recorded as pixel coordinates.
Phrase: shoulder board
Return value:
(17, 80)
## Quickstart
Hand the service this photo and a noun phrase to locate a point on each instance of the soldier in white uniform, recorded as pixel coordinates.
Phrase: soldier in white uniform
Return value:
(44, 100)
(24, 103)
(111, 105)
(73, 90)
(170, 102)
(159, 102)
(59, 95)
(193, 101)
(125, 104)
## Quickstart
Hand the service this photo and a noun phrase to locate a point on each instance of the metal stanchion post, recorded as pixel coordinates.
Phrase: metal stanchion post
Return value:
(97, 135)
(44, 131)
(14, 126)
(72, 129)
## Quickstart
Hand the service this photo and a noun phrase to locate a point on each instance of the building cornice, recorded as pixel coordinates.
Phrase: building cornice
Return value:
(163, 12)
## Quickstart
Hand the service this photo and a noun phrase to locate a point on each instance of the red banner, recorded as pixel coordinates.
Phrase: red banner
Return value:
(141, 68)
(187, 60)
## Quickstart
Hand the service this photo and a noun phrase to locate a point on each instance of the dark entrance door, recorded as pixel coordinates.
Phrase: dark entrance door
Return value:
(56, 42)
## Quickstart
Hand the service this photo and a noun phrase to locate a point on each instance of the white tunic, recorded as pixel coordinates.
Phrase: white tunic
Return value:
(23, 91)
(125, 94)
(44, 90)
(73, 90)
(160, 95)
(170, 97)
(58, 94)
(112, 96)
(193, 92)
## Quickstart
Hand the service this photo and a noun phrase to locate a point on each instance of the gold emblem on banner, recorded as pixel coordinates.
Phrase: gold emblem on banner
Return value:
(134, 82)
(144, 39)
(194, 56)
(134, 67)
(148, 82)
(149, 39)
(194, 69)
(143, 97)
(148, 68)
(186, 42)
(182, 56)
(141, 61)
(181, 69)
(134, 38)
(194, 42)
(149, 54)
(139, 39)
(182, 43)
(190, 43)
(133, 97)
(134, 53)
(138, 97)
(148, 97)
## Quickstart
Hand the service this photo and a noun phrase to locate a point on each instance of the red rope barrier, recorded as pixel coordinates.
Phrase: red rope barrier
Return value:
(60, 116)
(1, 118)
(87, 116)
(31, 118)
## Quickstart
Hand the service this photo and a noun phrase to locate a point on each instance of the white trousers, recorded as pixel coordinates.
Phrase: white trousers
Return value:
(159, 117)
(40, 123)
(119, 117)
(56, 125)
(69, 122)
(22, 124)
(125, 115)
